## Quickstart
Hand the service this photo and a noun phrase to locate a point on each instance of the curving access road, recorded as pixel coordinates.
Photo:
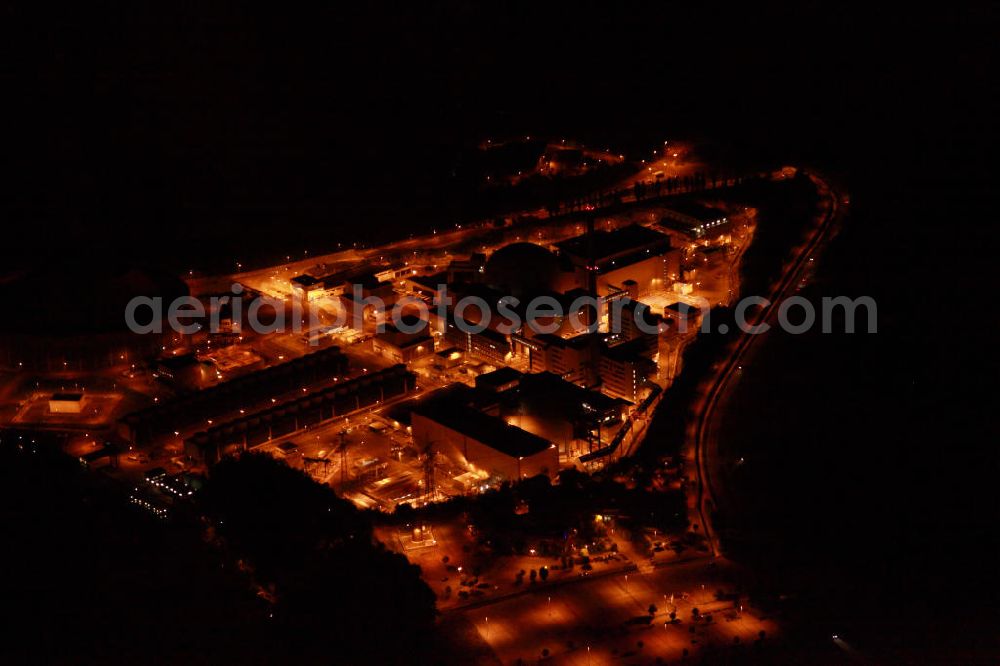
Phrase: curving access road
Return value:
(705, 443)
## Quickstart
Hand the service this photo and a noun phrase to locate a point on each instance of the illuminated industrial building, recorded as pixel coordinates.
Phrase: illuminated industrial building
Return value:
(402, 347)
(450, 426)
(488, 344)
(624, 369)
(696, 221)
(313, 408)
(145, 426)
(589, 361)
(307, 286)
(578, 420)
(66, 403)
(633, 253)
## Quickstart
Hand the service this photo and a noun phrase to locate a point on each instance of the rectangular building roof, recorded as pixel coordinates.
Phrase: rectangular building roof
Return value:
(698, 211)
(492, 431)
(498, 379)
(305, 280)
(628, 352)
(402, 339)
(682, 308)
(551, 388)
(609, 244)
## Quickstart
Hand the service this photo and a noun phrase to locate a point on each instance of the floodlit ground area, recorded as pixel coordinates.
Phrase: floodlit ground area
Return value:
(236, 357)
(360, 456)
(96, 411)
(462, 574)
(607, 619)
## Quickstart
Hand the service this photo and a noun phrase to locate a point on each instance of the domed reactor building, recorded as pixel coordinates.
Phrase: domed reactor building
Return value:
(633, 260)
(74, 317)
(526, 269)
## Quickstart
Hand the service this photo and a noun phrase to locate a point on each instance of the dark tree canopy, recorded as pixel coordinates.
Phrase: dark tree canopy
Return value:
(92, 579)
(332, 581)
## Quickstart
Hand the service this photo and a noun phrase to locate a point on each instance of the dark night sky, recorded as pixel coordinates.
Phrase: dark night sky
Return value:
(222, 124)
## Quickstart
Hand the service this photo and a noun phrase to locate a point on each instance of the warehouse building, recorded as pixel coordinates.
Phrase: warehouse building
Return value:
(161, 420)
(633, 253)
(478, 441)
(402, 347)
(287, 418)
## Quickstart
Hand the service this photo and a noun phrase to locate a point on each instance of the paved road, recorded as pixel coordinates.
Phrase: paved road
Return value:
(705, 443)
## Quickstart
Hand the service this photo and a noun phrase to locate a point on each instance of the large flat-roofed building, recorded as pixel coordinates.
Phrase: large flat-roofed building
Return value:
(307, 286)
(634, 253)
(499, 381)
(637, 321)
(569, 358)
(146, 426)
(427, 287)
(624, 369)
(402, 347)
(394, 273)
(576, 419)
(589, 361)
(446, 359)
(184, 370)
(683, 316)
(488, 344)
(66, 403)
(342, 283)
(312, 408)
(450, 426)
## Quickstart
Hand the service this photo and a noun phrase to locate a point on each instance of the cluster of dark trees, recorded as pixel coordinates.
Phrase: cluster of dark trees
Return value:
(537, 191)
(314, 554)
(500, 161)
(90, 578)
(557, 513)
(641, 191)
